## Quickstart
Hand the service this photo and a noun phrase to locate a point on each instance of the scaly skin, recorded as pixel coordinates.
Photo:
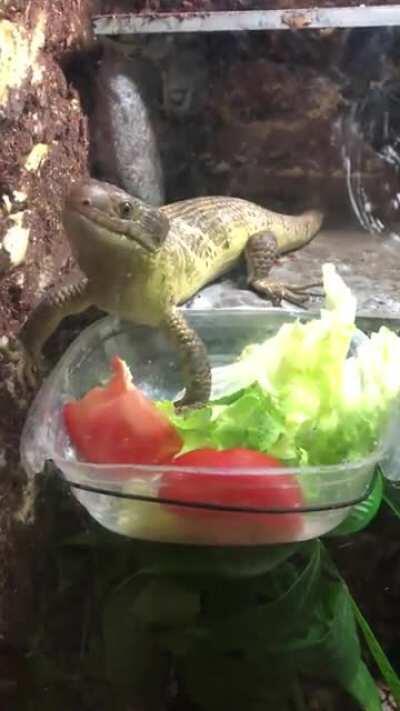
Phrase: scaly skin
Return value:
(141, 262)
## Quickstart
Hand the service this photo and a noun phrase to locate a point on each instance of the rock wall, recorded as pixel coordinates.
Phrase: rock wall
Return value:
(43, 146)
(264, 116)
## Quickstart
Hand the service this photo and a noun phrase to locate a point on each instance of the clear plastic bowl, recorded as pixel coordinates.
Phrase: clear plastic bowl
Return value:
(125, 498)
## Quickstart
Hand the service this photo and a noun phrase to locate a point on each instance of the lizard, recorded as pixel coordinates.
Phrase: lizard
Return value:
(141, 262)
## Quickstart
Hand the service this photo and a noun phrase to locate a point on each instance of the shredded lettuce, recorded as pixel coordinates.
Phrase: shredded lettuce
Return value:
(249, 420)
(298, 395)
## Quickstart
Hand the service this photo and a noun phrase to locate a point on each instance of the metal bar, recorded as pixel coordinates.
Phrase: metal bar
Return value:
(248, 20)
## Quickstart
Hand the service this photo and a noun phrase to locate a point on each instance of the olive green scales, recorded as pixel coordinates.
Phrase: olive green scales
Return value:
(140, 263)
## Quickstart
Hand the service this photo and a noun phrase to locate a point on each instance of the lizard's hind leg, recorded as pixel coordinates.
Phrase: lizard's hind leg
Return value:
(261, 252)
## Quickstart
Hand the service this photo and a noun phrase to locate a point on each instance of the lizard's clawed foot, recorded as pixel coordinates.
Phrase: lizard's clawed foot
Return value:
(277, 292)
(192, 400)
(183, 406)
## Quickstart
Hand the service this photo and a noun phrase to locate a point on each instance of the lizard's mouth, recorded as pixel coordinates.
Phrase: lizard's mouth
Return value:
(95, 206)
(113, 229)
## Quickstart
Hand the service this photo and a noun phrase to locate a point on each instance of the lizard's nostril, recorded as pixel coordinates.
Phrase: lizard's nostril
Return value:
(86, 202)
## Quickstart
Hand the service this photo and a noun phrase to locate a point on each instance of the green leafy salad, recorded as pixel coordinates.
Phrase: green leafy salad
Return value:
(304, 395)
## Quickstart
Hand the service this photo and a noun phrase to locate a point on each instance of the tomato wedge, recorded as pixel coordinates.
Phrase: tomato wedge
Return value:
(230, 488)
(118, 424)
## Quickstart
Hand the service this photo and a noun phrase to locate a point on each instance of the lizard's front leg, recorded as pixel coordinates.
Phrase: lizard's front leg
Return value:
(194, 357)
(261, 252)
(58, 303)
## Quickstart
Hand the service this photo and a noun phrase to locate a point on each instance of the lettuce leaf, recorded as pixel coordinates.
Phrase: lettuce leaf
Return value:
(298, 395)
(249, 420)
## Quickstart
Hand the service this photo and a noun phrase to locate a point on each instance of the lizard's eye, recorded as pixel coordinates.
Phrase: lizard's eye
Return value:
(125, 210)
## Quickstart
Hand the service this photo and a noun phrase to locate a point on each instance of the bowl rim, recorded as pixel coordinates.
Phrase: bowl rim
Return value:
(370, 460)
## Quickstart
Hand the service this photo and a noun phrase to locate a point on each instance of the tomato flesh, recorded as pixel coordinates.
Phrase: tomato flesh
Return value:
(118, 424)
(232, 489)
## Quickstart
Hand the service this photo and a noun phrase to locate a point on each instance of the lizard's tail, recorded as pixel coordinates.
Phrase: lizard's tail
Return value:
(292, 232)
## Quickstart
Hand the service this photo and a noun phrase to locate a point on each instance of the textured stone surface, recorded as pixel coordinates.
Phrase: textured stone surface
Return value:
(43, 147)
(124, 147)
(276, 117)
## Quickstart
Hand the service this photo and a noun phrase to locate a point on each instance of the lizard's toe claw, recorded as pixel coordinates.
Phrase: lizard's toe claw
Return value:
(277, 292)
(306, 289)
(182, 405)
(190, 400)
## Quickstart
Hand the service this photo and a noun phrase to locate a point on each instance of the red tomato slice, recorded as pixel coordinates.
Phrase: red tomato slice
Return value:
(233, 489)
(118, 424)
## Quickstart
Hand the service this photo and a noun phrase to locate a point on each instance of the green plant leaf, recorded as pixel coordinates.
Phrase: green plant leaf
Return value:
(231, 682)
(265, 624)
(361, 514)
(388, 673)
(391, 497)
(363, 689)
(133, 660)
(165, 602)
(222, 562)
(331, 647)
(381, 660)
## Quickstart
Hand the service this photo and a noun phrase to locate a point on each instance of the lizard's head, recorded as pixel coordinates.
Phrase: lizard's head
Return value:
(100, 212)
